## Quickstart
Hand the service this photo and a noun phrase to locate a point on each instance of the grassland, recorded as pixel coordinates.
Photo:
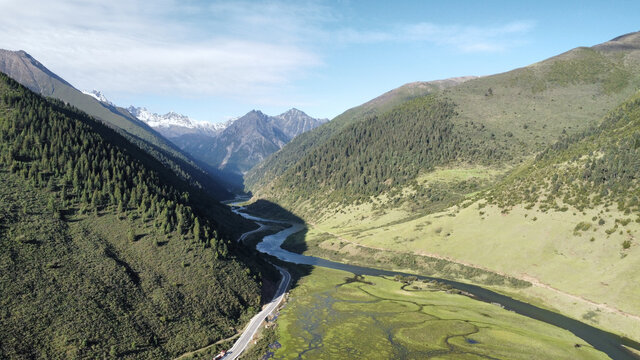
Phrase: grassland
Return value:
(331, 314)
(587, 274)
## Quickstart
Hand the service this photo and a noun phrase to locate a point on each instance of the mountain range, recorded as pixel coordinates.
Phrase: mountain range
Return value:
(240, 144)
(234, 146)
(213, 155)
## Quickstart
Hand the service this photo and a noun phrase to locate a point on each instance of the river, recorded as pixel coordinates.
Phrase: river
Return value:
(608, 343)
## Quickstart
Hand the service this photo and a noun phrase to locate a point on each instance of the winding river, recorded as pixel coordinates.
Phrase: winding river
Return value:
(610, 344)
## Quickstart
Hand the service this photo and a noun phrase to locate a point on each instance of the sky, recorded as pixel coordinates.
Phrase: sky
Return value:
(214, 60)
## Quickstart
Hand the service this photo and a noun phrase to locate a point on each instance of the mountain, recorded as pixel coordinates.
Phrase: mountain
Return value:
(235, 146)
(295, 122)
(31, 73)
(104, 251)
(276, 164)
(172, 125)
(510, 116)
(531, 173)
(99, 96)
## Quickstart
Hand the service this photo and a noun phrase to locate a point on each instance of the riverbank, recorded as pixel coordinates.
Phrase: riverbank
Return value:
(603, 341)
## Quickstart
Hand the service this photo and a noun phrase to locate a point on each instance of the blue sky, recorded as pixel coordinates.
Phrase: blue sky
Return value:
(212, 60)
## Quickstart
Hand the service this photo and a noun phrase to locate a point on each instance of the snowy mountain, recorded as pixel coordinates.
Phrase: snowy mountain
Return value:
(172, 124)
(98, 96)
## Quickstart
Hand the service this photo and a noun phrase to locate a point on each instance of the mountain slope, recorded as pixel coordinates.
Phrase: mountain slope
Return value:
(28, 71)
(518, 113)
(103, 252)
(566, 221)
(282, 160)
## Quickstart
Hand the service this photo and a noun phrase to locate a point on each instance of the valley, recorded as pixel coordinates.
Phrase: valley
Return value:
(491, 214)
(325, 320)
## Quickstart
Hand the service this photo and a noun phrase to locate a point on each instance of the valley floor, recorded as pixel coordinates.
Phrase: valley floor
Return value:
(545, 258)
(333, 314)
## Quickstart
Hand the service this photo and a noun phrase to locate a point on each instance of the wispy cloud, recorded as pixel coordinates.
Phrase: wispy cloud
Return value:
(165, 47)
(460, 37)
(237, 49)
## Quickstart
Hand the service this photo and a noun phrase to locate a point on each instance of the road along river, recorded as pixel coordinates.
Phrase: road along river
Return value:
(610, 344)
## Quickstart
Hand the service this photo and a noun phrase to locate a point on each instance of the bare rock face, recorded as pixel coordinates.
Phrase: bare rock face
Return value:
(29, 72)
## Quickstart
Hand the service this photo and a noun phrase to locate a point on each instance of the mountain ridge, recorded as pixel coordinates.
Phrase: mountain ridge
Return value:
(241, 143)
(525, 109)
(34, 75)
(118, 253)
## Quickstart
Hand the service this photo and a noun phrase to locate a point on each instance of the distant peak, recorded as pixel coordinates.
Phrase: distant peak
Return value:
(174, 119)
(295, 111)
(256, 113)
(98, 96)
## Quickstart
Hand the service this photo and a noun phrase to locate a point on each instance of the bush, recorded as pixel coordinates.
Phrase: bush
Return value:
(582, 226)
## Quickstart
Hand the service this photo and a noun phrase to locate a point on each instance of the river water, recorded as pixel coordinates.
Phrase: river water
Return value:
(610, 344)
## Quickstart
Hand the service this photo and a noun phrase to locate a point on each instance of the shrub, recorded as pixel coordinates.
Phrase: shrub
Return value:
(582, 226)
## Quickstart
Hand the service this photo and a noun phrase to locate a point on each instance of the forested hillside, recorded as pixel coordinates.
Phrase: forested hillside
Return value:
(386, 151)
(26, 70)
(104, 251)
(597, 167)
(300, 146)
(511, 116)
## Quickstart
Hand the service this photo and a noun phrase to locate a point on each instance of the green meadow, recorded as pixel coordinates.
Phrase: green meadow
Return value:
(332, 314)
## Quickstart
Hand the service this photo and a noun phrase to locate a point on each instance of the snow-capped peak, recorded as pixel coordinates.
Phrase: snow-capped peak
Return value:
(98, 96)
(173, 119)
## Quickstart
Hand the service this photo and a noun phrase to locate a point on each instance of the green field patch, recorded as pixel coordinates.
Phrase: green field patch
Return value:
(433, 335)
(326, 319)
(359, 337)
(352, 292)
(382, 306)
(501, 344)
(405, 319)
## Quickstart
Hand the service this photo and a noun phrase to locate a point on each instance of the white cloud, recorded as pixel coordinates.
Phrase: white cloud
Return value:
(125, 46)
(463, 38)
(249, 50)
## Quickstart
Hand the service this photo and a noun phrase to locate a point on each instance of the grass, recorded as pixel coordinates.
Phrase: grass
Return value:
(523, 243)
(331, 316)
